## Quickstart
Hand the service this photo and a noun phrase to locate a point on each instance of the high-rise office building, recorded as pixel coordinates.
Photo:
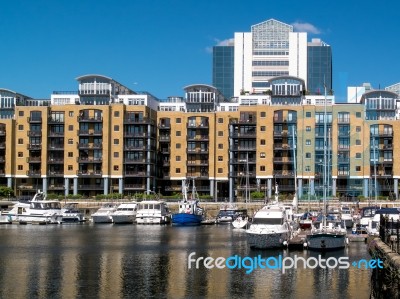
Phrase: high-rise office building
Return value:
(270, 50)
(319, 67)
(223, 69)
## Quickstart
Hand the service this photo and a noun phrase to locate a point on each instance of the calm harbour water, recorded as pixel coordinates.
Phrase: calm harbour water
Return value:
(134, 261)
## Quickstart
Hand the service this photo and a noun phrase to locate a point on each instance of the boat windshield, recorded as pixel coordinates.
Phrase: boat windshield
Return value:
(368, 212)
(269, 221)
(226, 213)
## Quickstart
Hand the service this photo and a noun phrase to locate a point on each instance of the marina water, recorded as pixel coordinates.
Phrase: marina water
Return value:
(142, 261)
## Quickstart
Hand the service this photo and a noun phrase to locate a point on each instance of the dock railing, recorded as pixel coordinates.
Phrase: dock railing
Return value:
(389, 232)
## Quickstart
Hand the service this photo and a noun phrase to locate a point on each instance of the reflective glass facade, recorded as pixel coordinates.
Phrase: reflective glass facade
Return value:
(319, 63)
(223, 68)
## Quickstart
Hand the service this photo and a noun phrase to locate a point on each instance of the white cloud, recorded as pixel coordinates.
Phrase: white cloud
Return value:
(305, 27)
(225, 42)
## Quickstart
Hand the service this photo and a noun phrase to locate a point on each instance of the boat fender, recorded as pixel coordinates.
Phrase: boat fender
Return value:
(285, 243)
(347, 241)
(305, 245)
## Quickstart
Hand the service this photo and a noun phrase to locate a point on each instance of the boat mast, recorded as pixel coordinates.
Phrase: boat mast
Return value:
(247, 177)
(375, 180)
(325, 158)
(295, 203)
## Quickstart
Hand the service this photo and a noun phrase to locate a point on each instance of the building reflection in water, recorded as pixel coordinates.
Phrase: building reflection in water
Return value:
(110, 261)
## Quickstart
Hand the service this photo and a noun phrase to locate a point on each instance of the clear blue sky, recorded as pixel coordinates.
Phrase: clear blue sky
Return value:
(161, 46)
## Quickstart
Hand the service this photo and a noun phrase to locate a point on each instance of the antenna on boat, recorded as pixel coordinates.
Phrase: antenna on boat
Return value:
(375, 181)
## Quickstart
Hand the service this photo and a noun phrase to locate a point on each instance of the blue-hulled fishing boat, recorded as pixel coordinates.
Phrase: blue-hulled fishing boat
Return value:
(189, 213)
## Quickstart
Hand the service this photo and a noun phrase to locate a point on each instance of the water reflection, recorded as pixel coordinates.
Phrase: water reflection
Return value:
(109, 261)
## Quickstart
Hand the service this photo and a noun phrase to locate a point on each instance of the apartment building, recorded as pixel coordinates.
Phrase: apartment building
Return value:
(106, 138)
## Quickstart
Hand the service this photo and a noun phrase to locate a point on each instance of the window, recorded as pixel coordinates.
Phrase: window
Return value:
(116, 141)
(220, 120)
(116, 154)
(70, 141)
(262, 155)
(116, 167)
(358, 129)
(308, 141)
(116, 128)
(20, 167)
(178, 120)
(220, 170)
(178, 133)
(70, 128)
(358, 114)
(20, 154)
(262, 128)
(178, 158)
(220, 133)
(308, 114)
(262, 141)
(178, 170)
(70, 167)
(358, 155)
(263, 114)
(220, 158)
(20, 141)
(20, 127)
(71, 113)
(20, 113)
(220, 146)
(308, 155)
(358, 168)
(116, 113)
(70, 154)
(358, 142)
(308, 129)
(178, 145)
(308, 168)
(262, 168)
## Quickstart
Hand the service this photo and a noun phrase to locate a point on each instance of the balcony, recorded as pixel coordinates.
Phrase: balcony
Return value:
(284, 173)
(34, 133)
(197, 162)
(2, 145)
(35, 119)
(53, 120)
(56, 134)
(34, 146)
(91, 187)
(283, 160)
(282, 146)
(134, 161)
(343, 172)
(164, 138)
(203, 174)
(90, 145)
(135, 120)
(56, 173)
(164, 126)
(134, 186)
(89, 160)
(197, 150)
(197, 138)
(90, 133)
(89, 173)
(137, 173)
(56, 147)
(33, 159)
(34, 173)
(2, 132)
(200, 125)
(84, 118)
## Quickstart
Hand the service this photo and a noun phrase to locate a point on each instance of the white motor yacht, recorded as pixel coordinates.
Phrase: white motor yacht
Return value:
(38, 210)
(104, 214)
(153, 212)
(125, 213)
(270, 228)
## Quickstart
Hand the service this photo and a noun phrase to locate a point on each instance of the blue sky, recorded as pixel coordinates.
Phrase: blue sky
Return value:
(160, 46)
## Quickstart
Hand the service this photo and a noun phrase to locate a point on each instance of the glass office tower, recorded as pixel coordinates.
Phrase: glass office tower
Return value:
(223, 67)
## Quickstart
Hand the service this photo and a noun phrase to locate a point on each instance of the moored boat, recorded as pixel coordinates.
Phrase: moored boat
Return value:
(39, 211)
(228, 214)
(270, 228)
(189, 211)
(71, 213)
(153, 212)
(104, 214)
(125, 213)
